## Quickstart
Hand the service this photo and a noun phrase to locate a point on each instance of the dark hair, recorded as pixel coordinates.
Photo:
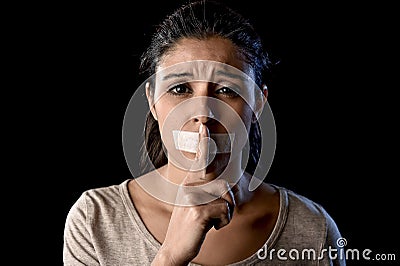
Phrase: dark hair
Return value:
(201, 20)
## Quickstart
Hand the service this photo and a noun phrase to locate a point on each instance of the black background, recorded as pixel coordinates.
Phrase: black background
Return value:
(332, 97)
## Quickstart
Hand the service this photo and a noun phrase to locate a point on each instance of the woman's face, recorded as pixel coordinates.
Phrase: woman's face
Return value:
(187, 95)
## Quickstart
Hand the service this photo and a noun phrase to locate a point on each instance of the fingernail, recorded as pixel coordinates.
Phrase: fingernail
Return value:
(201, 128)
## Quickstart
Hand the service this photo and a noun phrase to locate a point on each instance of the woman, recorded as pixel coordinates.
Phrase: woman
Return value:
(192, 204)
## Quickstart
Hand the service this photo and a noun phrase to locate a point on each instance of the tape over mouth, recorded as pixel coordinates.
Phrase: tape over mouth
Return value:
(188, 141)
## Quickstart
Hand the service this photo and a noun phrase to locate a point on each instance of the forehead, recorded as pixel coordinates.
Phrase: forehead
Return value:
(213, 49)
(202, 70)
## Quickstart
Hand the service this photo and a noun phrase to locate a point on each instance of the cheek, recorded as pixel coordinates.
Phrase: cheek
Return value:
(245, 113)
(162, 109)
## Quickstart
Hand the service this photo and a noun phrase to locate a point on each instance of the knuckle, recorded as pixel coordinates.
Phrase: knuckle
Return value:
(196, 214)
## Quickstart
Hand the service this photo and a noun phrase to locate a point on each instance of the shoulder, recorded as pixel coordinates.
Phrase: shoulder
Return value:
(303, 206)
(304, 215)
(107, 194)
(305, 225)
(98, 200)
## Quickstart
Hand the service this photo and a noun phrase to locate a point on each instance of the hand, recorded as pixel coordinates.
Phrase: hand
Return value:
(190, 221)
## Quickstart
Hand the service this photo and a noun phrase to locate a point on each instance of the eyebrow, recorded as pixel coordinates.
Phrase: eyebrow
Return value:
(230, 75)
(177, 75)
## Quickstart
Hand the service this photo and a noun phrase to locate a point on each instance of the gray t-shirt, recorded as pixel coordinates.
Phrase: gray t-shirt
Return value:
(104, 228)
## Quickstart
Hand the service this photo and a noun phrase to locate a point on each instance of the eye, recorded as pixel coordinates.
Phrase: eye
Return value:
(179, 90)
(225, 91)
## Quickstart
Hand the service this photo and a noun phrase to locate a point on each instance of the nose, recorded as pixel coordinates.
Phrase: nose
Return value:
(203, 111)
(204, 116)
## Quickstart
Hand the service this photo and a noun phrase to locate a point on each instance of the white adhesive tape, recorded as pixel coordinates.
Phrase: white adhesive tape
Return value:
(189, 141)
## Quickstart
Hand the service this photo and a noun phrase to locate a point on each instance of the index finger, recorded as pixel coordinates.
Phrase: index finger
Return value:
(196, 174)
